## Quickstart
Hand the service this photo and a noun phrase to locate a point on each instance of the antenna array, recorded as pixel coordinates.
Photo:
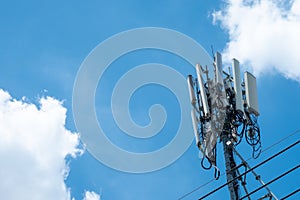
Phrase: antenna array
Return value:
(225, 108)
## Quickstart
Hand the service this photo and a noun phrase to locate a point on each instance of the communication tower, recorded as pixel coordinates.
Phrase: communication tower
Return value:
(225, 108)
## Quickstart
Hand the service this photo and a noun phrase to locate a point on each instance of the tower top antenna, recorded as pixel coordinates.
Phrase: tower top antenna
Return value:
(226, 108)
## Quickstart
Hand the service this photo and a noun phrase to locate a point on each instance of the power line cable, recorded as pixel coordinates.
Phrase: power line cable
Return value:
(290, 194)
(273, 180)
(257, 177)
(266, 149)
(276, 143)
(279, 141)
(249, 170)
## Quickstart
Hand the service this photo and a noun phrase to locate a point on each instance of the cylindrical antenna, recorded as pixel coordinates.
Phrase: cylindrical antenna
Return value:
(219, 69)
(195, 126)
(202, 90)
(191, 90)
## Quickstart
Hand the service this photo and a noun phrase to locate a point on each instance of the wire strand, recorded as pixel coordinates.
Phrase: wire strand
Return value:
(266, 149)
(281, 140)
(290, 194)
(249, 170)
(270, 182)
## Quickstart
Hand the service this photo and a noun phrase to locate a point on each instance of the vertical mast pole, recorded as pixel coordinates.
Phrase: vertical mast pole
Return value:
(230, 167)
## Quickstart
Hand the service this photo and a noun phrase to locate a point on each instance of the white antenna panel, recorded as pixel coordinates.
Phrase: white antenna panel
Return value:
(202, 90)
(219, 69)
(237, 84)
(195, 126)
(191, 90)
(251, 93)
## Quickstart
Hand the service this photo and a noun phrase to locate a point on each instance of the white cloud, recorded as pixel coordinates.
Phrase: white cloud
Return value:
(33, 146)
(91, 196)
(263, 34)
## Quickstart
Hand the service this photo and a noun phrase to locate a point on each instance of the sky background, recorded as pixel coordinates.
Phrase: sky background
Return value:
(42, 45)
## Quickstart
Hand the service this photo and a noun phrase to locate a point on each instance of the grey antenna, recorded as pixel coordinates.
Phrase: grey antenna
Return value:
(237, 85)
(202, 90)
(251, 93)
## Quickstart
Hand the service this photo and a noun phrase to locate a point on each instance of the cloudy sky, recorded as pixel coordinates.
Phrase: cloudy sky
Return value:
(43, 46)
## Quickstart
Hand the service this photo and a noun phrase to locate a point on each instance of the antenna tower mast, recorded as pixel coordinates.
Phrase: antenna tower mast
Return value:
(225, 108)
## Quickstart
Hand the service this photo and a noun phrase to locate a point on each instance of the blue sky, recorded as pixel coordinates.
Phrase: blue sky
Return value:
(43, 44)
